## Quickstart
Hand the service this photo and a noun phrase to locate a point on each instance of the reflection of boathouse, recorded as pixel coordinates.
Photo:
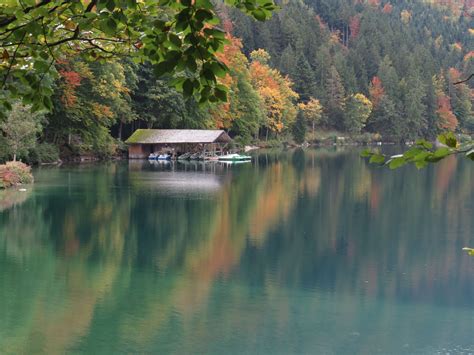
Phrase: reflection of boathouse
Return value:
(177, 141)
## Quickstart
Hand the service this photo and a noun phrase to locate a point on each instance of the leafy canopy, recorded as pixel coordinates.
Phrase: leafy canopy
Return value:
(179, 38)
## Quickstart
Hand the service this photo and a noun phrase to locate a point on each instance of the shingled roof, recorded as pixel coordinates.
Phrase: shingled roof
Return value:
(176, 136)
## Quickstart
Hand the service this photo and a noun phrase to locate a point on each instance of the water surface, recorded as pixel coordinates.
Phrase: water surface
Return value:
(298, 252)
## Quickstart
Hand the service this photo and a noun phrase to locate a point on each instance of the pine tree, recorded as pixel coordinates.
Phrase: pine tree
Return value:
(303, 79)
(385, 119)
(287, 61)
(335, 99)
(389, 77)
(414, 109)
(299, 128)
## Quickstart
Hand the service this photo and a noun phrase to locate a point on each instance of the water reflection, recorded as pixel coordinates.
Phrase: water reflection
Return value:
(304, 251)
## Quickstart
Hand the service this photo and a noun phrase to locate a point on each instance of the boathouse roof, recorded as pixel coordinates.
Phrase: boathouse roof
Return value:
(177, 136)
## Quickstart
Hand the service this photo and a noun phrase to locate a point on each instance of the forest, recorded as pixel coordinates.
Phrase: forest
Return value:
(367, 69)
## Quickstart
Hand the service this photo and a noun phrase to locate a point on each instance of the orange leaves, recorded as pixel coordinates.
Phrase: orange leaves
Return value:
(224, 114)
(354, 25)
(275, 91)
(457, 46)
(72, 80)
(71, 77)
(376, 91)
(101, 111)
(388, 8)
(469, 56)
(447, 119)
(373, 3)
(454, 75)
(232, 53)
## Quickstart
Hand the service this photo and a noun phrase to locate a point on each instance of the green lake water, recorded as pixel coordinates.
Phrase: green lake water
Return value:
(311, 252)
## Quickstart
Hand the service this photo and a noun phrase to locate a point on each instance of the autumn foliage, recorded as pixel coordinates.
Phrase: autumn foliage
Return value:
(376, 91)
(276, 92)
(354, 26)
(387, 9)
(447, 119)
(71, 80)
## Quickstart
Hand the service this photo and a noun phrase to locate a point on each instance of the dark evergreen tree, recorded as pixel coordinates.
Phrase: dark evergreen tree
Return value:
(299, 128)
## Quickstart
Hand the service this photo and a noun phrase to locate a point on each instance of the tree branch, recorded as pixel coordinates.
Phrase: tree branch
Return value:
(11, 62)
(8, 20)
(464, 81)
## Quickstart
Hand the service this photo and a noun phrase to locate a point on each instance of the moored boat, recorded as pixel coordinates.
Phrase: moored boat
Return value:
(154, 156)
(235, 157)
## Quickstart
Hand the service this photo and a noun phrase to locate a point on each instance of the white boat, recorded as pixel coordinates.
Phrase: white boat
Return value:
(235, 157)
(154, 156)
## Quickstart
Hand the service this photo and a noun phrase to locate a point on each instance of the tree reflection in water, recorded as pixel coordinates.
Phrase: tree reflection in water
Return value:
(298, 251)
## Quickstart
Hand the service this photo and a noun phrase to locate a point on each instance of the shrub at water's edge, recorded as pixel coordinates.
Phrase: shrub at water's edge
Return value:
(15, 173)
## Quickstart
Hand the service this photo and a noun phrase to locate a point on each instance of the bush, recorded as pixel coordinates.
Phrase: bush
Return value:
(99, 143)
(15, 173)
(44, 153)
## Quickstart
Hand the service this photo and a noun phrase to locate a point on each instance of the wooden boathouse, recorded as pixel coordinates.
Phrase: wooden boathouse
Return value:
(175, 142)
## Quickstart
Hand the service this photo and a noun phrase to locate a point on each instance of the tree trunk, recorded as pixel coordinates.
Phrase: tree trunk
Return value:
(14, 156)
(120, 130)
(266, 136)
(313, 129)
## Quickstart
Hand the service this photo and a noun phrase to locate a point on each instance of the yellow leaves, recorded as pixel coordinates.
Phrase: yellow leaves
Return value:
(471, 31)
(438, 42)
(101, 112)
(275, 90)
(405, 16)
(457, 47)
(363, 100)
(335, 37)
(261, 56)
(312, 110)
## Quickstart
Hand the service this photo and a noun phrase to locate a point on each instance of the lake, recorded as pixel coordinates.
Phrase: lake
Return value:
(311, 251)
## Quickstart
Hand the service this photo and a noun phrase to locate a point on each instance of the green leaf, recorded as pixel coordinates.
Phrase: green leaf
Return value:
(203, 15)
(423, 143)
(259, 14)
(448, 139)
(110, 5)
(209, 75)
(421, 164)
(47, 103)
(441, 152)
(469, 251)
(174, 39)
(41, 66)
(412, 152)
(395, 163)
(377, 158)
(220, 94)
(188, 87)
(366, 153)
(109, 26)
(219, 69)
(164, 67)
(7, 105)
